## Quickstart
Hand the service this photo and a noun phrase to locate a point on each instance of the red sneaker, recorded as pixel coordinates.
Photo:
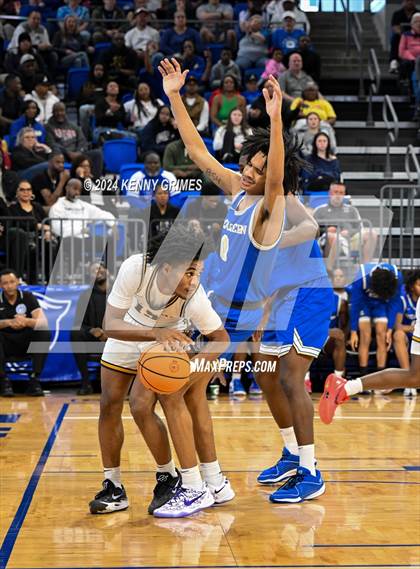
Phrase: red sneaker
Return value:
(334, 394)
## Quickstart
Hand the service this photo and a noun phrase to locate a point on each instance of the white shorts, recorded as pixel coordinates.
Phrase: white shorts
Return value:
(415, 342)
(123, 356)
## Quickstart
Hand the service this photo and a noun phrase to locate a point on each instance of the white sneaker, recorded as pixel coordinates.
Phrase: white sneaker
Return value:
(408, 392)
(223, 493)
(186, 501)
(393, 66)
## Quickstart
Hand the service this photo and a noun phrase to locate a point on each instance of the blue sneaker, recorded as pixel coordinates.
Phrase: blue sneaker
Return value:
(236, 388)
(302, 486)
(254, 388)
(284, 468)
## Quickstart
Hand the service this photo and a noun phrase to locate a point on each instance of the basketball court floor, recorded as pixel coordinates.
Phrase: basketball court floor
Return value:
(368, 517)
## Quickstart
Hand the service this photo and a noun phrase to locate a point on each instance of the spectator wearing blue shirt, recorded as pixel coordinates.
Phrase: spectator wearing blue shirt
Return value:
(287, 38)
(375, 298)
(73, 8)
(172, 39)
(30, 111)
(198, 66)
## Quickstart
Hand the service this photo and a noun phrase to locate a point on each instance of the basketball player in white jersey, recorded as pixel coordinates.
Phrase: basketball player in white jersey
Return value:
(158, 302)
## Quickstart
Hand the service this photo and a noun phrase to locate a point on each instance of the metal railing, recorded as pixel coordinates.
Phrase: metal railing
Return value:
(410, 156)
(397, 241)
(392, 127)
(374, 73)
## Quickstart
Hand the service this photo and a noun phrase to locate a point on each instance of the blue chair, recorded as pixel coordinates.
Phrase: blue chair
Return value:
(178, 199)
(100, 47)
(67, 165)
(76, 77)
(416, 87)
(216, 50)
(315, 199)
(126, 171)
(118, 152)
(238, 8)
(127, 97)
(231, 166)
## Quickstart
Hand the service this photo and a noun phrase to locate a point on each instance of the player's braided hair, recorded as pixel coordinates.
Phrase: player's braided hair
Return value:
(411, 278)
(259, 141)
(179, 245)
(384, 283)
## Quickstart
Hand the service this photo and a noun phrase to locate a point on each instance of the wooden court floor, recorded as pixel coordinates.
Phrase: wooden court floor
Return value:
(369, 516)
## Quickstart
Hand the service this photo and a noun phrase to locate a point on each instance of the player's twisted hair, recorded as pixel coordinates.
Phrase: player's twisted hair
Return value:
(259, 141)
(384, 283)
(411, 278)
(179, 245)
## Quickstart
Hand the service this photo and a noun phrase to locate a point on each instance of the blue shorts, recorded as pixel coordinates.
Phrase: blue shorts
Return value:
(373, 309)
(299, 318)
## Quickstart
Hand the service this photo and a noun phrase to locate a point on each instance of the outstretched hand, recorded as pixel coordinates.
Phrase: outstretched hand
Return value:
(173, 77)
(274, 100)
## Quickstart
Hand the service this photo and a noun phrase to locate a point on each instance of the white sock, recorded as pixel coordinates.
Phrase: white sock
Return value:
(307, 457)
(354, 386)
(113, 474)
(170, 467)
(339, 373)
(307, 375)
(289, 439)
(236, 375)
(191, 478)
(212, 473)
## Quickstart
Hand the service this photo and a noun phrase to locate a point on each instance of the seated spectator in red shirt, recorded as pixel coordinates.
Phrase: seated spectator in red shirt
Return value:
(399, 17)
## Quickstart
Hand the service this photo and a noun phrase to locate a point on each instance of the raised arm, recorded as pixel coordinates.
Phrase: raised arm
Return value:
(173, 81)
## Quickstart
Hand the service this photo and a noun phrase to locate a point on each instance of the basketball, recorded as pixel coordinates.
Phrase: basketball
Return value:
(163, 372)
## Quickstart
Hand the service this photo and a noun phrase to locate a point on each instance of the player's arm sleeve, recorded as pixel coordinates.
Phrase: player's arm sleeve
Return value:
(126, 283)
(356, 303)
(202, 314)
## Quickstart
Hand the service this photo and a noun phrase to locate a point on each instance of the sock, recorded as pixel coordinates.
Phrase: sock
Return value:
(363, 370)
(307, 375)
(307, 457)
(354, 386)
(236, 375)
(212, 473)
(191, 478)
(339, 373)
(113, 474)
(289, 439)
(169, 467)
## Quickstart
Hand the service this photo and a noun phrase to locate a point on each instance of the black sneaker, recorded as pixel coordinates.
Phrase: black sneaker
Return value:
(166, 487)
(6, 389)
(34, 388)
(85, 389)
(109, 499)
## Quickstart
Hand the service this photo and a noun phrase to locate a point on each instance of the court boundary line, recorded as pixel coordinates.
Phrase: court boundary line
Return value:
(264, 417)
(20, 515)
(318, 566)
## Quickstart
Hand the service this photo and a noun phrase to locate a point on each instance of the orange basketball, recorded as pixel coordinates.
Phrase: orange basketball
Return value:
(163, 372)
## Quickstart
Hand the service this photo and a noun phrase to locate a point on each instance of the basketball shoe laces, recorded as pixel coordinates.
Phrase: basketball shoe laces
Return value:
(164, 485)
(293, 480)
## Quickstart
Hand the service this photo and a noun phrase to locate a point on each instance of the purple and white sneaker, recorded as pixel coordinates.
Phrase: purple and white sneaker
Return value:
(186, 501)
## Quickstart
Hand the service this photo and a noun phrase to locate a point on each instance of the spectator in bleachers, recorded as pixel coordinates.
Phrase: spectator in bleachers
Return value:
(22, 321)
(48, 185)
(24, 47)
(138, 37)
(311, 61)
(274, 66)
(30, 112)
(71, 45)
(287, 38)
(92, 91)
(374, 302)
(308, 129)
(340, 221)
(142, 183)
(162, 213)
(210, 209)
(121, 63)
(196, 64)
(29, 157)
(228, 99)
(81, 169)
(409, 49)
(110, 13)
(401, 16)
(276, 9)
(40, 39)
(177, 161)
(81, 13)
(252, 90)
(43, 97)
(39, 234)
(213, 14)
(197, 107)
(188, 8)
(254, 7)
(225, 66)
(325, 168)
(311, 102)
(11, 102)
(28, 72)
(229, 138)
(294, 80)
(142, 108)
(405, 321)
(110, 115)
(159, 132)
(66, 137)
(253, 47)
(13, 241)
(8, 177)
(172, 39)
